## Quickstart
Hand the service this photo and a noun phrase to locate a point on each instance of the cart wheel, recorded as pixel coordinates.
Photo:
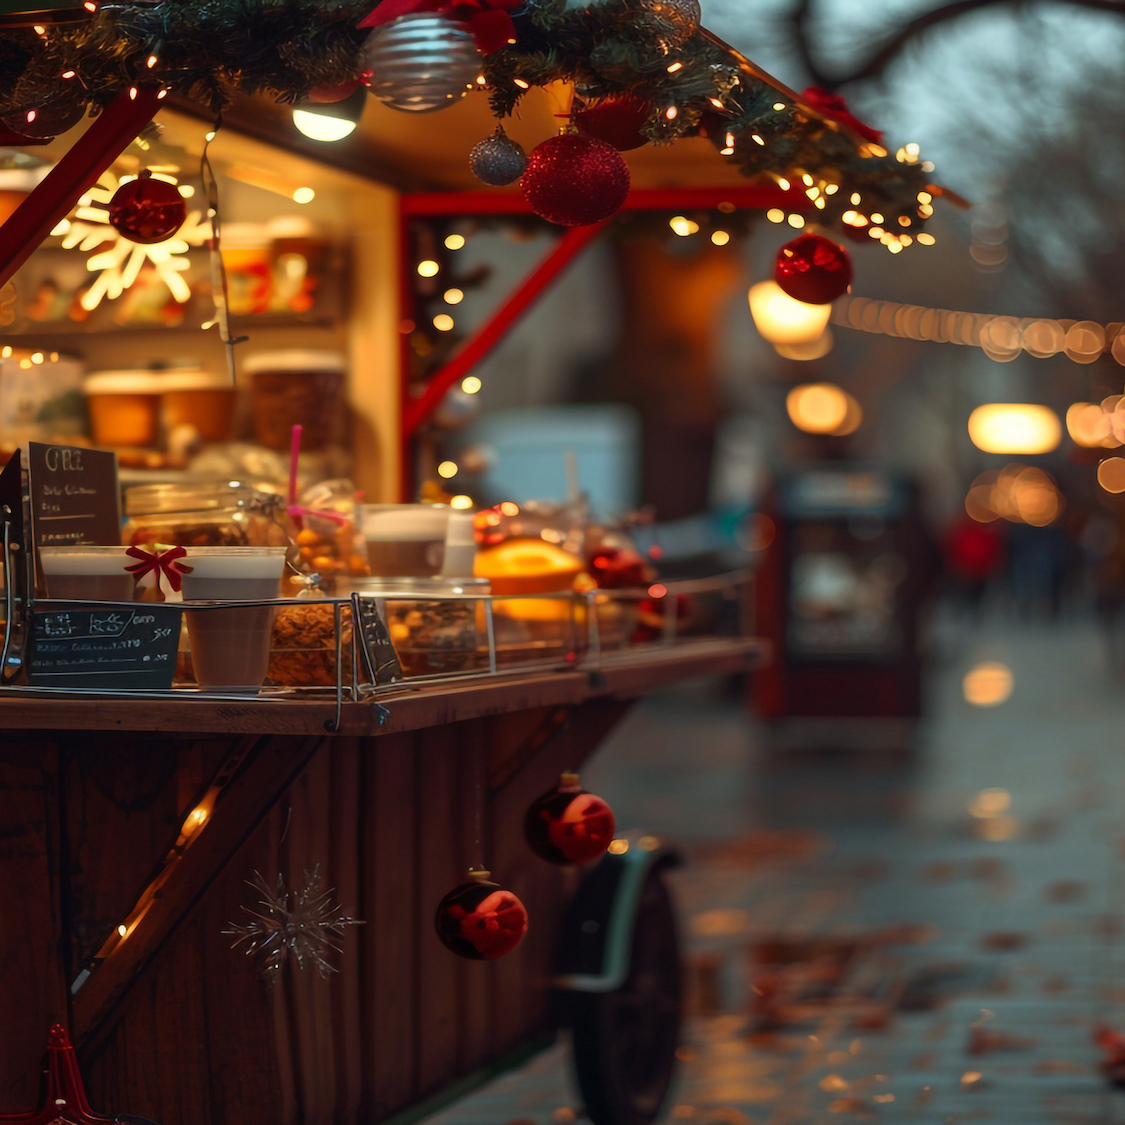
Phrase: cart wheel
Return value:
(625, 1041)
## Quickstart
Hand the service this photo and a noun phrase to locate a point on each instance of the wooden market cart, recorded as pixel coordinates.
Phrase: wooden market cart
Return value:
(98, 801)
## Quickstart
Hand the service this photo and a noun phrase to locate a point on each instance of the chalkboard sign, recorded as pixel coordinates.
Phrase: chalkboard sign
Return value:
(107, 648)
(73, 496)
(378, 652)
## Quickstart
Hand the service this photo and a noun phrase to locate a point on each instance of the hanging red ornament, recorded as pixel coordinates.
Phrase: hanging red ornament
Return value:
(147, 210)
(326, 95)
(813, 269)
(617, 120)
(575, 181)
(479, 920)
(64, 1096)
(46, 121)
(1111, 1043)
(567, 825)
(619, 568)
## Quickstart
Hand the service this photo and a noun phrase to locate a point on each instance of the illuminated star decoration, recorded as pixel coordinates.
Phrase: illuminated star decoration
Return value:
(119, 261)
(64, 1099)
(304, 924)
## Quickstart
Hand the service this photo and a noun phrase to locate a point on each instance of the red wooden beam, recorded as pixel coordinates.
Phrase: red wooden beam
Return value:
(78, 171)
(749, 196)
(415, 411)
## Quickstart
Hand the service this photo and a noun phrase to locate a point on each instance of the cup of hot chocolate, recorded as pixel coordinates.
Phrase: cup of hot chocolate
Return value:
(88, 574)
(405, 540)
(230, 645)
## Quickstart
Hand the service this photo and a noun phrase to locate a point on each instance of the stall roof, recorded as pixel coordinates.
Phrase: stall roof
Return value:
(430, 152)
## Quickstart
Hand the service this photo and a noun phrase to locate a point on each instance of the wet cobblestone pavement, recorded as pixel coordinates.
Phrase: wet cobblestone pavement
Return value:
(925, 938)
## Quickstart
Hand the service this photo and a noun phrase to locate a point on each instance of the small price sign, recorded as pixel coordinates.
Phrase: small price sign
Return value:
(104, 648)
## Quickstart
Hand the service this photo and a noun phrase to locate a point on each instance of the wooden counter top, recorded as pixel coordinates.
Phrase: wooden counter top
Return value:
(622, 675)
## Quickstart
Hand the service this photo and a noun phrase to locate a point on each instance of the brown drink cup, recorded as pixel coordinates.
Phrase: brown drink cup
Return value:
(405, 540)
(95, 574)
(230, 646)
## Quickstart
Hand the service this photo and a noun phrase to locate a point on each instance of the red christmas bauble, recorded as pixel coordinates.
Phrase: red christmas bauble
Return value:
(618, 568)
(480, 920)
(325, 95)
(813, 269)
(617, 120)
(575, 181)
(147, 210)
(567, 825)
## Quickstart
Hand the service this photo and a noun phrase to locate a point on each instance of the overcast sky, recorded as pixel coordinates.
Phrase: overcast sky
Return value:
(973, 76)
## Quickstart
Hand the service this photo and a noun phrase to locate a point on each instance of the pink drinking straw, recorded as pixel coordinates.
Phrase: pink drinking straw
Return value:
(294, 454)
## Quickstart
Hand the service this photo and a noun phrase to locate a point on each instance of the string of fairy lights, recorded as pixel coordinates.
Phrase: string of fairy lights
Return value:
(1001, 338)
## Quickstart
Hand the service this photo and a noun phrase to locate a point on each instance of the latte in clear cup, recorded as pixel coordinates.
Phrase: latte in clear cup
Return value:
(405, 540)
(230, 646)
(81, 573)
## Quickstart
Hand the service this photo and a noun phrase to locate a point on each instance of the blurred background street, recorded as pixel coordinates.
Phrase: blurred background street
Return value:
(919, 938)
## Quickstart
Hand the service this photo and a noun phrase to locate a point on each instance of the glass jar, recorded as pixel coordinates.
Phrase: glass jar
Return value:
(433, 628)
(204, 514)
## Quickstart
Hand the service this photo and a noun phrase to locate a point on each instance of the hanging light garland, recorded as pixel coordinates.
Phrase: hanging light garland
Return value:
(1002, 338)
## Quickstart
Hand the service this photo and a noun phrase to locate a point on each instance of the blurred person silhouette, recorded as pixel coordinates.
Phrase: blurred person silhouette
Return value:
(1037, 565)
(974, 555)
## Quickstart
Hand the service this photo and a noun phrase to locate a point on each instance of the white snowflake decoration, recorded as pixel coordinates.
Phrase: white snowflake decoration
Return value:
(304, 923)
(119, 261)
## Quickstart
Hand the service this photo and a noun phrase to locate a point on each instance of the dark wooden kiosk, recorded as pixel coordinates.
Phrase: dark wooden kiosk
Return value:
(151, 815)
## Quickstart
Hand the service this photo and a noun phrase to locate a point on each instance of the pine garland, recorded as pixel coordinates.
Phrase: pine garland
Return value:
(211, 50)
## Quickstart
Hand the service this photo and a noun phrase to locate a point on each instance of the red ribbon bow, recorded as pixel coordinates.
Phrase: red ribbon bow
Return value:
(834, 106)
(164, 563)
(488, 20)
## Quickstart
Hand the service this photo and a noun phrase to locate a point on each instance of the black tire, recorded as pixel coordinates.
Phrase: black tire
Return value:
(625, 1041)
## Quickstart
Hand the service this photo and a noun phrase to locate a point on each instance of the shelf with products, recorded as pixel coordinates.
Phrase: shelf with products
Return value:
(308, 269)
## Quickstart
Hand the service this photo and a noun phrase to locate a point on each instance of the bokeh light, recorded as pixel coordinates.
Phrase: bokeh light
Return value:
(1018, 494)
(1014, 427)
(1089, 426)
(987, 684)
(817, 408)
(1111, 474)
(781, 320)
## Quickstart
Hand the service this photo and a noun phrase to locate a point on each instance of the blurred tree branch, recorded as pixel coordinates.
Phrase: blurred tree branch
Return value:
(909, 32)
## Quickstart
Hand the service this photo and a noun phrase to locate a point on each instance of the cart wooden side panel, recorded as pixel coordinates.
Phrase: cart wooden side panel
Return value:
(176, 1026)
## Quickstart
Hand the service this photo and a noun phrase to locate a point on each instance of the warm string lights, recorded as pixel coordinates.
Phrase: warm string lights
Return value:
(1001, 338)
(1018, 494)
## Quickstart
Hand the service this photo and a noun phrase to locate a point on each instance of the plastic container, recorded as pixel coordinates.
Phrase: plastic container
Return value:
(124, 406)
(203, 400)
(296, 388)
(230, 647)
(203, 514)
(432, 630)
(405, 540)
(83, 573)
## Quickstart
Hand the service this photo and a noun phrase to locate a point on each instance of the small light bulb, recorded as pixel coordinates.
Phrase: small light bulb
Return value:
(122, 930)
(453, 296)
(454, 241)
(461, 502)
(304, 195)
(447, 469)
(720, 237)
(186, 190)
(470, 384)
(443, 322)
(428, 268)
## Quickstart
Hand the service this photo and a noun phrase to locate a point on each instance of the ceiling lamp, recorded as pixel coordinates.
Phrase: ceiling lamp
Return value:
(331, 121)
(1014, 427)
(781, 320)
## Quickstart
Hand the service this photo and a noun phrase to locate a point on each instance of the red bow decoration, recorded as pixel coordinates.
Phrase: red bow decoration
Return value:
(834, 106)
(164, 563)
(65, 1097)
(488, 20)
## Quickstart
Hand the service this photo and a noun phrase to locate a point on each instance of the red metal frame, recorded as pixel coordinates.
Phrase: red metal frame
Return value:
(78, 171)
(415, 411)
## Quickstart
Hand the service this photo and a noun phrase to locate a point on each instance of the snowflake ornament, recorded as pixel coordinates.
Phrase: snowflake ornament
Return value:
(304, 924)
(119, 261)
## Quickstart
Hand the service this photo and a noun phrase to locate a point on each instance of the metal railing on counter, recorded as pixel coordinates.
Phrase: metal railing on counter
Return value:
(369, 651)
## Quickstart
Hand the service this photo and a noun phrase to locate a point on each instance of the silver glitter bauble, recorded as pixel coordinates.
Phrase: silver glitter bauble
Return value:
(676, 21)
(498, 160)
(421, 62)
